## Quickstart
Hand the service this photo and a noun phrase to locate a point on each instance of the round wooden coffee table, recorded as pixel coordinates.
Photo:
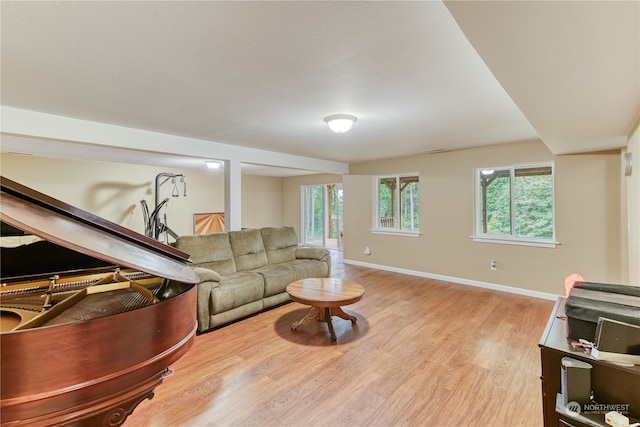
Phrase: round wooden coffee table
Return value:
(326, 296)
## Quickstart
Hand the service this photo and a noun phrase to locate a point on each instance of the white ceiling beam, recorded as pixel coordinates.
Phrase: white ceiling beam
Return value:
(53, 127)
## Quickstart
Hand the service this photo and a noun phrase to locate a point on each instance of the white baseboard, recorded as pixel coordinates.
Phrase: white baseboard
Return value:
(476, 283)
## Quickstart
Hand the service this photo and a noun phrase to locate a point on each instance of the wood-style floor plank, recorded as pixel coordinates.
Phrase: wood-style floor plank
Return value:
(422, 353)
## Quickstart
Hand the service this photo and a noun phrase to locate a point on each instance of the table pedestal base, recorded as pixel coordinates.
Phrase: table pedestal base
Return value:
(323, 314)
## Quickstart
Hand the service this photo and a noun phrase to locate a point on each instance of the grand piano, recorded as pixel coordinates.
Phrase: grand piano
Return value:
(92, 315)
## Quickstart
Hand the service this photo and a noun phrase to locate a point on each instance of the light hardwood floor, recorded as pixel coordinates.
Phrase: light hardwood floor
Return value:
(423, 353)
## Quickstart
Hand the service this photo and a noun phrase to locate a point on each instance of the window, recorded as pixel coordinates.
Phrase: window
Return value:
(397, 204)
(515, 204)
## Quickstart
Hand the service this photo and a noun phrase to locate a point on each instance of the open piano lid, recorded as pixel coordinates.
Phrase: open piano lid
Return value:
(81, 231)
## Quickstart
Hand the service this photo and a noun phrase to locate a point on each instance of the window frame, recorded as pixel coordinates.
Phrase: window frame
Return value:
(511, 239)
(396, 230)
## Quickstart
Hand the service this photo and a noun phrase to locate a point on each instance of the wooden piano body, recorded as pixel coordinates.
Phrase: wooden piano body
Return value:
(86, 341)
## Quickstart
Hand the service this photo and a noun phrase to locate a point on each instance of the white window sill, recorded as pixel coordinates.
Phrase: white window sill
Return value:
(396, 232)
(516, 241)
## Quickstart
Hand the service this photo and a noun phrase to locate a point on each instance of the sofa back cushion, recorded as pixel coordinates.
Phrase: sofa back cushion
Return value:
(248, 249)
(212, 251)
(280, 243)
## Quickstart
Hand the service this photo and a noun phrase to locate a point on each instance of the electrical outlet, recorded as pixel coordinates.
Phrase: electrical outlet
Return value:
(494, 265)
(367, 251)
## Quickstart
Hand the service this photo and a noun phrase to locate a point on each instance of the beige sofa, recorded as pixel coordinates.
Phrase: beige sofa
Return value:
(244, 272)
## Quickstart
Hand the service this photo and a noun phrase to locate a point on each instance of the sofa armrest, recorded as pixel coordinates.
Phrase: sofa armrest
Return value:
(209, 280)
(206, 275)
(312, 253)
(320, 254)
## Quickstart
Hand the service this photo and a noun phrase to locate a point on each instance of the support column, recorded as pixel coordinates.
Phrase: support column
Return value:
(232, 195)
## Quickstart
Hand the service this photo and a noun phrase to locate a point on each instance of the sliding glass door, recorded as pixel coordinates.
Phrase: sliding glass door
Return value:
(313, 215)
(322, 215)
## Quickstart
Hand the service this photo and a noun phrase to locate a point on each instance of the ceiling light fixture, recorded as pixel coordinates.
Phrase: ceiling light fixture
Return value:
(212, 165)
(340, 123)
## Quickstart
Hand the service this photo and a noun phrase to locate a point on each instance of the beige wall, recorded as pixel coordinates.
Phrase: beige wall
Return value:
(587, 209)
(589, 218)
(261, 201)
(114, 191)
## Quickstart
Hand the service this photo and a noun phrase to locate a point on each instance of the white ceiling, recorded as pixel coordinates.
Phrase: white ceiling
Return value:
(420, 76)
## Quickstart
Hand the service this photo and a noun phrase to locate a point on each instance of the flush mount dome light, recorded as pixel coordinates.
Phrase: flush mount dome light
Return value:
(340, 123)
(212, 165)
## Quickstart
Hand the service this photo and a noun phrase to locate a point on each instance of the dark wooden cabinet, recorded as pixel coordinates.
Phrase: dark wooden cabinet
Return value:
(611, 383)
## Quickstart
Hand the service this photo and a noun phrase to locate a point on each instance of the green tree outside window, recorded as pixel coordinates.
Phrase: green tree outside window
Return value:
(517, 202)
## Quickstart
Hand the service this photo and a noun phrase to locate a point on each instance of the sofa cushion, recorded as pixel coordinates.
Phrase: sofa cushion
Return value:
(276, 278)
(212, 251)
(235, 290)
(280, 243)
(248, 249)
